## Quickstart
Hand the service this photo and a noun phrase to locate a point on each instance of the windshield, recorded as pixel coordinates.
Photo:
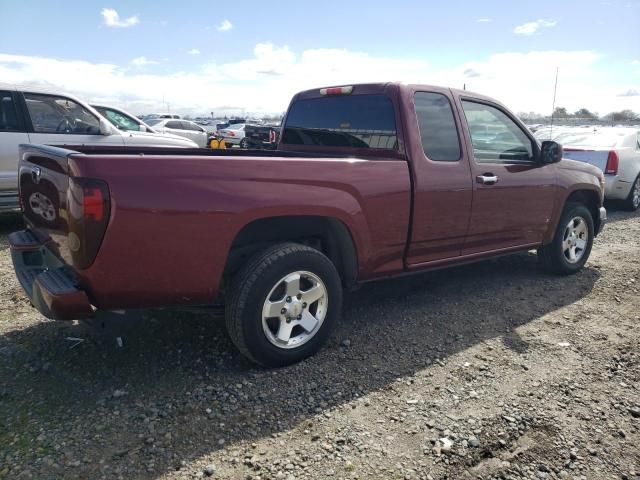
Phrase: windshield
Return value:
(359, 121)
(119, 119)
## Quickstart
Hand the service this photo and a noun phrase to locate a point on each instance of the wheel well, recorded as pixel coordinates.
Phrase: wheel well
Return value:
(591, 200)
(326, 234)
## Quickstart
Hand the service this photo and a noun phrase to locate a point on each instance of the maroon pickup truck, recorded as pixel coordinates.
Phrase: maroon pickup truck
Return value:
(369, 181)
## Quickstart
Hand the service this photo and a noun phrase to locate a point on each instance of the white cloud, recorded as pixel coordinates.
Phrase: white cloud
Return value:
(194, 51)
(530, 28)
(484, 20)
(143, 61)
(111, 18)
(281, 72)
(225, 26)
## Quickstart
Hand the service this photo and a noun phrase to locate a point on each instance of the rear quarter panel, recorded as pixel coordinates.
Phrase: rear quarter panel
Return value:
(174, 218)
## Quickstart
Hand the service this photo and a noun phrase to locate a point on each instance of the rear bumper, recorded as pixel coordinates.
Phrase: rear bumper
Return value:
(48, 282)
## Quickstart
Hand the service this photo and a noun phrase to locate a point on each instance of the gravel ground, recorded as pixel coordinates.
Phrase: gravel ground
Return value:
(493, 370)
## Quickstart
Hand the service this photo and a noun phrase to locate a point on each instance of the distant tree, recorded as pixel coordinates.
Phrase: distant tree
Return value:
(561, 112)
(623, 116)
(584, 113)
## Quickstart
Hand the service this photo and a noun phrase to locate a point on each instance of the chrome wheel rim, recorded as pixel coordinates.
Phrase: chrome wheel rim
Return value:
(294, 309)
(636, 194)
(575, 239)
(43, 206)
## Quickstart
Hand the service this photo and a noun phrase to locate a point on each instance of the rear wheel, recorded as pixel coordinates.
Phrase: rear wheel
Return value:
(572, 242)
(244, 143)
(283, 304)
(632, 202)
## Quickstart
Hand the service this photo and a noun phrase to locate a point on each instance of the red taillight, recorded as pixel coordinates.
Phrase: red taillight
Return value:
(93, 204)
(336, 91)
(89, 212)
(272, 136)
(231, 134)
(612, 163)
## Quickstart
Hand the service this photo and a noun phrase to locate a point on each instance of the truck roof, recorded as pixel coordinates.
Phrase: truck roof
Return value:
(370, 88)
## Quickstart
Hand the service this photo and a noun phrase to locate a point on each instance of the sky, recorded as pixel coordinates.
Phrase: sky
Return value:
(251, 57)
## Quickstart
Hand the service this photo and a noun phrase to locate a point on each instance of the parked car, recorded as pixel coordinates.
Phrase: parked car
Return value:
(163, 115)
(183, 128)
(234, 135)
(135, 127)
(615, 151)
(37, 116)
(261, 137)
(370, 181)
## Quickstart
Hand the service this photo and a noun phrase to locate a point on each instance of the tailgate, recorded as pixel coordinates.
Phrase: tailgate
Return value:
(66, 212)
(597, 158)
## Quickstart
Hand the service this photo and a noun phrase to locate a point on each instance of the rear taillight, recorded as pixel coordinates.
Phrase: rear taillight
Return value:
(89, 209)
(612, 163)
(336, 91)
(231, 134)
(93, 204)
(272, 136)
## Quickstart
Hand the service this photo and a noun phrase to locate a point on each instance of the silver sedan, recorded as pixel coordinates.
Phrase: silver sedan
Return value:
(184, 128)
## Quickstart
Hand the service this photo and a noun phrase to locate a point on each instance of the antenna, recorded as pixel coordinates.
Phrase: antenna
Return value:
(553, 107)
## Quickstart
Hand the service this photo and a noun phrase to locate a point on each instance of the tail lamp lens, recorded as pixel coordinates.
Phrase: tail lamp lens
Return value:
(612, 163)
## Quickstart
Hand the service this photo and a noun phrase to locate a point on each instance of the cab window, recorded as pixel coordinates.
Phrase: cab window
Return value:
(9, 120)
(496, 138)
(53, 114)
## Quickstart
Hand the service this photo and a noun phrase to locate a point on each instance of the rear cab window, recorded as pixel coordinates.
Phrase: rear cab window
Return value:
(364, 121)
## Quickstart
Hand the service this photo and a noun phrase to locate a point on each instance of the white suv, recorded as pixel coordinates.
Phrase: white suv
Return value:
(34, 116)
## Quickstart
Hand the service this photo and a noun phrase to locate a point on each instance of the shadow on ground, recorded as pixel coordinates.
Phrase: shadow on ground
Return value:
(175, 366)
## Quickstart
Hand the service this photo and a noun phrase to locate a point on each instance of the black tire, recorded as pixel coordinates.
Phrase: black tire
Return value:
(632, 202)
(552, 256)
(244, 143)
(248, 291)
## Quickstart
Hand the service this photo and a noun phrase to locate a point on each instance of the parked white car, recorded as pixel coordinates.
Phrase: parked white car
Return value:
(615, 151)
(184, 128)
(34, 116)
(126, 122)
(234, 135)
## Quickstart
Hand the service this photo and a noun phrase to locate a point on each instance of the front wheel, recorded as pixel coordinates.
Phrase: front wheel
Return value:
(632, 202)
(572, 242)
(283, 304)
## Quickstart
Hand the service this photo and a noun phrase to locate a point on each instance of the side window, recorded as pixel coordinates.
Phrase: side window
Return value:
(174, 124)
(52, 114)
(495, 137)
(9, 121)
(438, 130)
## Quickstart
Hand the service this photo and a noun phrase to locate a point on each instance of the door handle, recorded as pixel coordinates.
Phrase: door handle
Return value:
(487, 179)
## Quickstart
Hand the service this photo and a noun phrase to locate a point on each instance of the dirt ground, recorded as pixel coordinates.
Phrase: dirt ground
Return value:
(492, 370)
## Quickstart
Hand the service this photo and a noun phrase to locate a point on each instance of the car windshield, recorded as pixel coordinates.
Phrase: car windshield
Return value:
(118, 119)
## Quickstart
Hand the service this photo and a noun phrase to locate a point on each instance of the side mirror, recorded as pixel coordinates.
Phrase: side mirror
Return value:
(142, 128)
(550, 152)
(105, 127)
